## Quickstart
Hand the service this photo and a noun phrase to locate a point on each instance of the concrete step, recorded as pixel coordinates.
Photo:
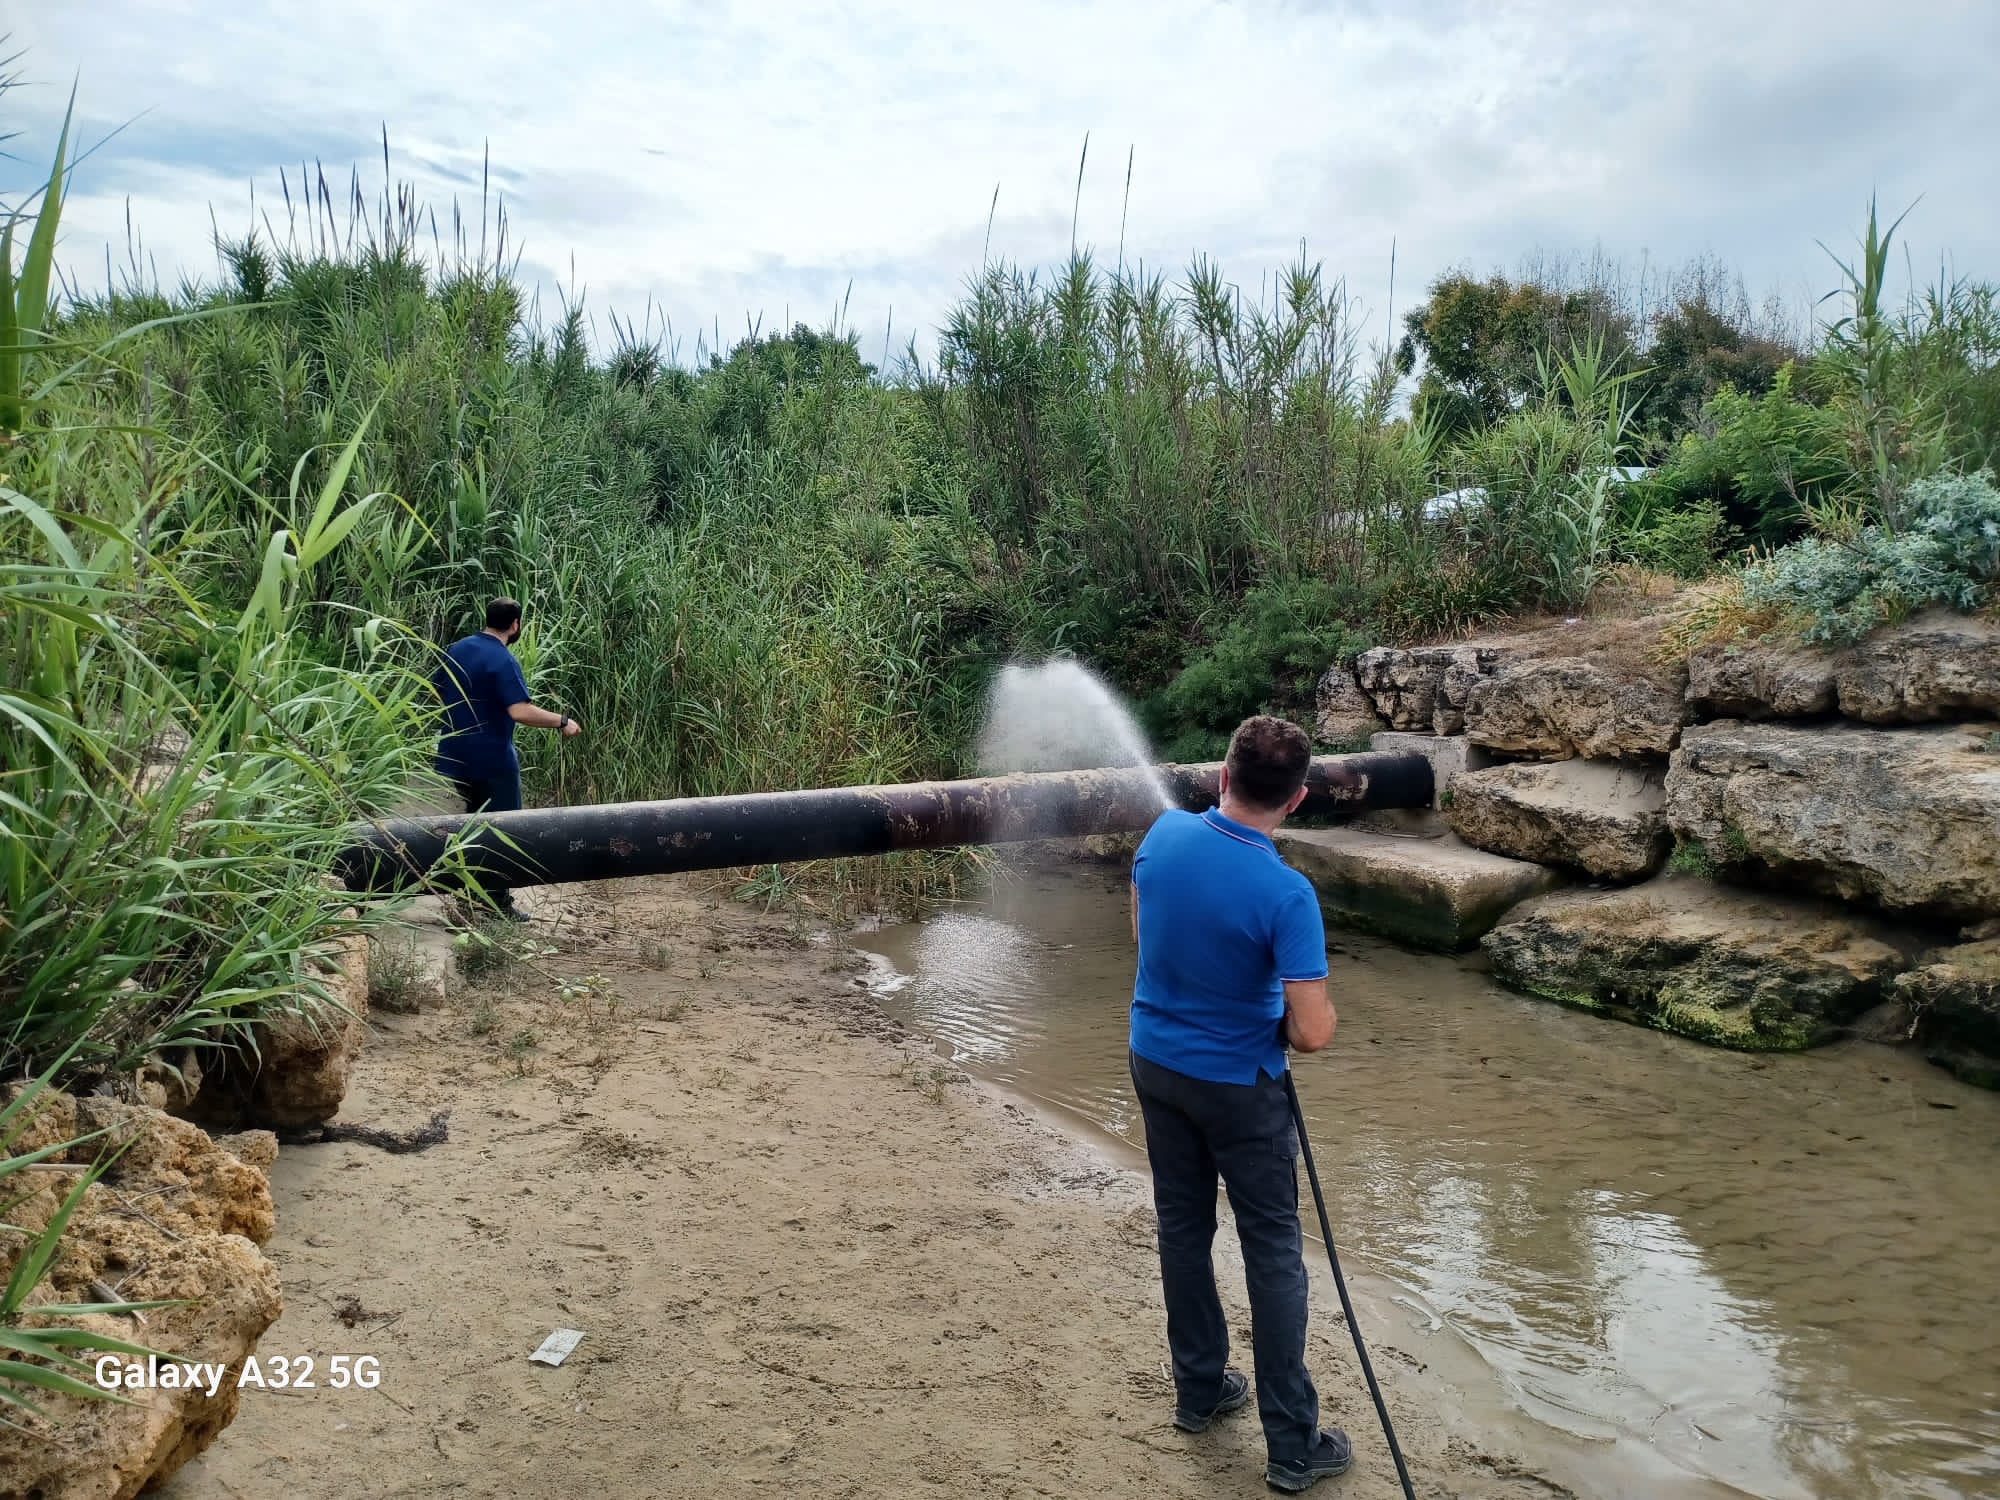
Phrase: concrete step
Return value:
(1428, 892)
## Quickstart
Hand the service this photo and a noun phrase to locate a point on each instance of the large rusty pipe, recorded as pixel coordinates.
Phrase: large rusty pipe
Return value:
(556, 845)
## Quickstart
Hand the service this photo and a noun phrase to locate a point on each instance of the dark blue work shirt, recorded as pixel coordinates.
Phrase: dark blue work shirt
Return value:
(479, 681)
(1223, 923)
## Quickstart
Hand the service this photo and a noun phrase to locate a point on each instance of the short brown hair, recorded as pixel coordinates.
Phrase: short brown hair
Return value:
(502, 613)
(1267, 761)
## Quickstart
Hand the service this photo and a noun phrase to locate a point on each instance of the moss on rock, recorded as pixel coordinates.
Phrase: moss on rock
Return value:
(1726, 968)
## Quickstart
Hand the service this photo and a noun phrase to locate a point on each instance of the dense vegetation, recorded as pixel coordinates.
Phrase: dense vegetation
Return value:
(238, 516)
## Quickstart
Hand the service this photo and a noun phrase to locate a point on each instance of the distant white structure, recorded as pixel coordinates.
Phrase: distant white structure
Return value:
(1451, 502)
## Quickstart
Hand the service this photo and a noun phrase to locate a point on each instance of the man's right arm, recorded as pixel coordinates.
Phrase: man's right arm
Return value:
(1299, 946)
(512, 689)
(1309, 1015)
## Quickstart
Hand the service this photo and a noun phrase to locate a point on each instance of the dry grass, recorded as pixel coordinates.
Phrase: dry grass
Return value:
(1709, 614)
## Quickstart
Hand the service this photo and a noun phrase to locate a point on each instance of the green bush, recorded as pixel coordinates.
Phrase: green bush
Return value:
(1762, 460)
(1684, 541)
(1948, 552)
(1266, 659)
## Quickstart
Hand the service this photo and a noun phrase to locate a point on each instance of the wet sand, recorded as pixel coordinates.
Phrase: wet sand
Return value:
(807, 1254)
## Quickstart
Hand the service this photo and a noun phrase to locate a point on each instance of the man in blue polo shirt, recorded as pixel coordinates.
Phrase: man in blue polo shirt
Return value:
(1232, 966)
(484, 697)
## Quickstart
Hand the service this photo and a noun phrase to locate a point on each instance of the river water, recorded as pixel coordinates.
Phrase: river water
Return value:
(1771, 1274)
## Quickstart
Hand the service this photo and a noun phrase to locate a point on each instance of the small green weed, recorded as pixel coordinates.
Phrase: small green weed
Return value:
(395, 975)
(489, 953)
(591, 996)
(1693, 858)
(519, 1046)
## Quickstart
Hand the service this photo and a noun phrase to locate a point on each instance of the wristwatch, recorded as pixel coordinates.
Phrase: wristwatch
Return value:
(563, 725)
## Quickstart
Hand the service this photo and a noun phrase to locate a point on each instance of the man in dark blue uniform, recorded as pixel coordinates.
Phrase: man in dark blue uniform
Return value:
(1232, 966)
(484, 697)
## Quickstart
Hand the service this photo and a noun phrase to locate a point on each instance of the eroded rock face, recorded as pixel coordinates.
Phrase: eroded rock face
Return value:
(1606, 820)
(298, 1076)
(1904, 819)
(1757, 680)
(1954, 1000)
(1424, 688)
(203, 1212)
(1731, 968)
(1345, 715)
(1565, 706)
(1938, 666)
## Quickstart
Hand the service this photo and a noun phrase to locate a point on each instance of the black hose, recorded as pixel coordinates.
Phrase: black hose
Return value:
(1340, 1282)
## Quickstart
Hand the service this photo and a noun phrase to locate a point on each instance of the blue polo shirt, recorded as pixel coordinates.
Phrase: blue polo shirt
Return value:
(1223, 923)
(479, 680)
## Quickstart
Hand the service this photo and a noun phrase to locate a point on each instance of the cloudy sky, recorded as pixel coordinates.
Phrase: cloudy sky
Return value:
(727, 159)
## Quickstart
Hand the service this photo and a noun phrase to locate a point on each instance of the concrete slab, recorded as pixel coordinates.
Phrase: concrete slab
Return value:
(1430, 893)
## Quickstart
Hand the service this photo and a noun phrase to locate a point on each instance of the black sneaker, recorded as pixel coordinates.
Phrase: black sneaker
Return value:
(1235, 1391)
(1331, 1455)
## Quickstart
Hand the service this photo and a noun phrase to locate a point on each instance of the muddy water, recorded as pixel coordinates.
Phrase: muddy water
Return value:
(1772, 1274)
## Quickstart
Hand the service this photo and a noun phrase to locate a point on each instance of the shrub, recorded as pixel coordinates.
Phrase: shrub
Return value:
(1684, 541)
(1762, 460)
(1836, 592)
(1266, 657)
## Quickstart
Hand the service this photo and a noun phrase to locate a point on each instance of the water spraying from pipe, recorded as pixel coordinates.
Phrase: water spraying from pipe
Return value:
(1061, 716)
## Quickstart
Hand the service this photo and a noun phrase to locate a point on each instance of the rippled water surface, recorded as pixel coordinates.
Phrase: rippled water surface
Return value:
(1775, 1273)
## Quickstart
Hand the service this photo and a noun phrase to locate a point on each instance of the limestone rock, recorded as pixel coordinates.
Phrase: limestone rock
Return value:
(297, 1076)
(1424, 687)
(197, 1242)
(1346, 715)
(1430, 893)
(1955, 1002)
(1760, 680)
(1937, 666)
(1463, 671)
(1564, 706)
(1605, 820)
(1904, 819)
(1732, 968)
(170, 1083)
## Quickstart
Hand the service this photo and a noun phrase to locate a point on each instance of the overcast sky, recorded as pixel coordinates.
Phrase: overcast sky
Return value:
(729, 159)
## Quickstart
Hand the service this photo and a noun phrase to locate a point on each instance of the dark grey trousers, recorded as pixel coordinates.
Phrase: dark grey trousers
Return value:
(1195, 1132)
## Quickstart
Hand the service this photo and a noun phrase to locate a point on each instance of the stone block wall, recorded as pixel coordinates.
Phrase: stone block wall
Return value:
(1839, 802)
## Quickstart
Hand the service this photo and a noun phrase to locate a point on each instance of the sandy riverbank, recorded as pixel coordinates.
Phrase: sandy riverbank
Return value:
(806, 1254)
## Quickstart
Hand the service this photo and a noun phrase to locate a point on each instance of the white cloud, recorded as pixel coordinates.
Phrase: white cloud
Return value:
(737, 158)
